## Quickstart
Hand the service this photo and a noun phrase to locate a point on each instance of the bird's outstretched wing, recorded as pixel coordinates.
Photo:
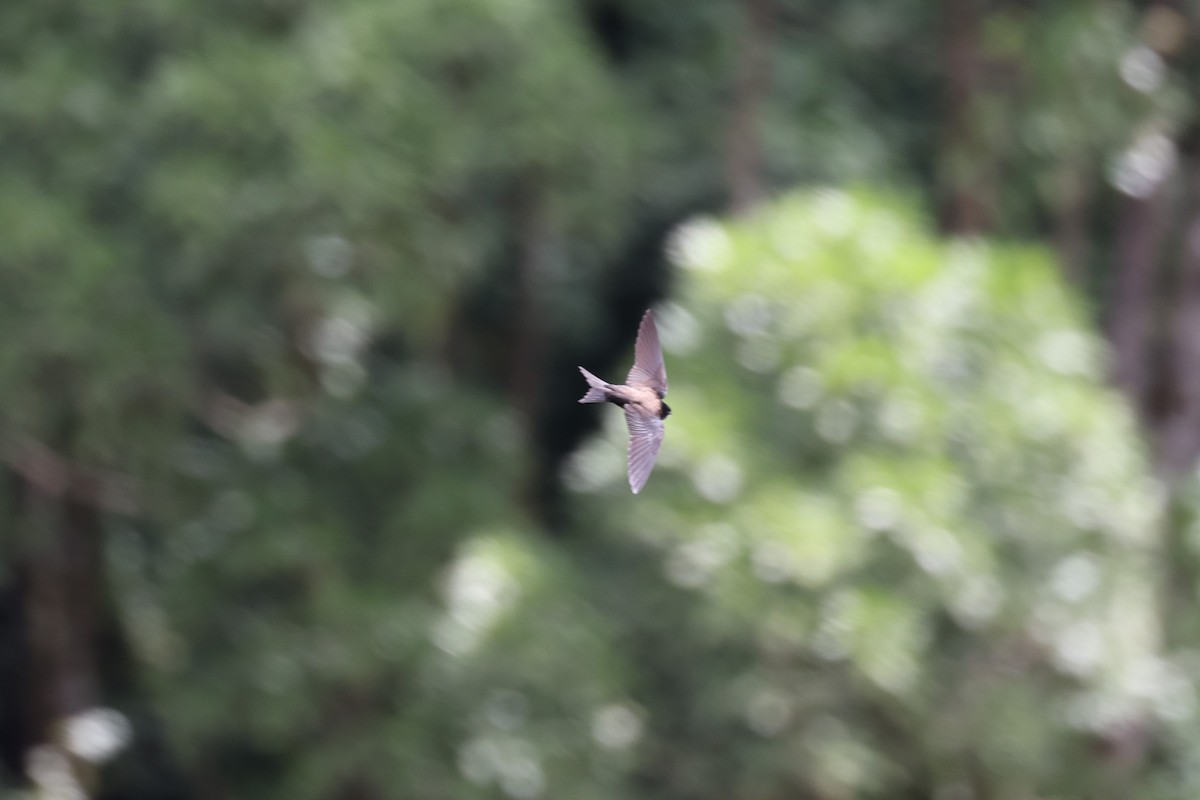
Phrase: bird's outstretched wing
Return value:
(648, 368)
(645, 437)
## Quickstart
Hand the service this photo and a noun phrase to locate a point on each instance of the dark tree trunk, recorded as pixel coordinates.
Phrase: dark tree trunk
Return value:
(530, 313)
(57, 628)
(59, 572)
(1140, 228)
(14, 657)
(1072, 202)
(964, 204)
(744, 165)
(1178, 424)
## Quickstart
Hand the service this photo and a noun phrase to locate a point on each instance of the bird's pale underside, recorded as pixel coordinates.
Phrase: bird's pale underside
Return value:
(641, 396)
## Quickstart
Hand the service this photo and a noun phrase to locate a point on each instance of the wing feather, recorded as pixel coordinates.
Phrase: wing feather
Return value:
(645, 438)
(648, 368)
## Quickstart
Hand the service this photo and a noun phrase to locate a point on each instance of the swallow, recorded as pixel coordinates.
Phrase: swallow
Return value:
(641, 396)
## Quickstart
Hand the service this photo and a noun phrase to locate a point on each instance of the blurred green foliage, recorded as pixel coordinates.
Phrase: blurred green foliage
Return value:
(898, 543)
(913, 532)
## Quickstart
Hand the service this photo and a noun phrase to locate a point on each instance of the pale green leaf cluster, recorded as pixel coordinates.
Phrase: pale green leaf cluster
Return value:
(905, 509)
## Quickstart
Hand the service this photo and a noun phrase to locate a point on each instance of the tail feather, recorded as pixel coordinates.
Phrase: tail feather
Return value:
(598, 393)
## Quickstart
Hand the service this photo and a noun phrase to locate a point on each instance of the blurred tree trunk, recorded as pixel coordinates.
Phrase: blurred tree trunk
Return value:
(60, 620)
(752, 85)
(1178, 424)
(14, 650)
(964, 190)
(1072, 203)
(1141, 224)
(61, 571)
(528, 354)
(1173, 410)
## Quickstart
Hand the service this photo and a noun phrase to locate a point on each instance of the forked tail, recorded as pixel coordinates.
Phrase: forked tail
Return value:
(598, 393)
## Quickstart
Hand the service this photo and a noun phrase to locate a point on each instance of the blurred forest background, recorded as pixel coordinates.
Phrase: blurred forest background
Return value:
(297, 499)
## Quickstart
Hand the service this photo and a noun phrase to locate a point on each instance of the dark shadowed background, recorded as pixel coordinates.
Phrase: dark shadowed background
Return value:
(297, 501)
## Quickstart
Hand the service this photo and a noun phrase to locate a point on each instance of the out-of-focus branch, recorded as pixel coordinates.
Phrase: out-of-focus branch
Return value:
(56, 476)
(269, 422)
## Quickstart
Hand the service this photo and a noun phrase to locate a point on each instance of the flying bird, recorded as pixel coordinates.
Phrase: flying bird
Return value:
(642, 398)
